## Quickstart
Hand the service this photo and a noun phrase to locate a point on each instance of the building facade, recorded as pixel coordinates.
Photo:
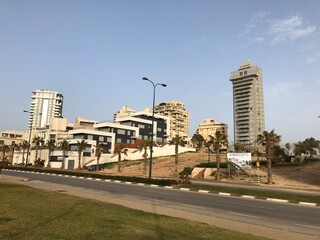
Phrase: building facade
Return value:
(45, 105)
(248, 103)
(209, 127)
(178, 115)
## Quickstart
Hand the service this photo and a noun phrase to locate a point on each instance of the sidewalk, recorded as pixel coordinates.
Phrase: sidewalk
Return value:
(160, 209)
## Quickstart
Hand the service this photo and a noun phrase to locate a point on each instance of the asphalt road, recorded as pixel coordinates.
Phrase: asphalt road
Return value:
(284, 216)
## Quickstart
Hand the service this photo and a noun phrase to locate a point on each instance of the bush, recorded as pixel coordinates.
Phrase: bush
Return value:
(39, 163)
(184, 174)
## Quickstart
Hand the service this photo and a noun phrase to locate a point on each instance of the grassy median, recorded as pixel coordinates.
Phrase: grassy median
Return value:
(28, 213)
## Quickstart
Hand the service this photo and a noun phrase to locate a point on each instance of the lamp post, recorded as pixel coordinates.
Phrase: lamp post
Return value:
(152, 120)
(29, 141)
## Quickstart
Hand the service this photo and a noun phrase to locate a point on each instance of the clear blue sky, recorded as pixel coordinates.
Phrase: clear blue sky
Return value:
(95, 53)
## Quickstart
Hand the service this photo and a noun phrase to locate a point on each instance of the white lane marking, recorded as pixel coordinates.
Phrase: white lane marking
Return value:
(243, 215)
(185, 189)
(203, 191)
(89, 178)
(277, 200)
(98, 179)
(117, 181)
(308, 204)
(224, 194)
(107, 180)
(140, 184)
(309, 226)
(169, 187)
(247, 196)
(153, 185)
(74, 176)
(128, 182)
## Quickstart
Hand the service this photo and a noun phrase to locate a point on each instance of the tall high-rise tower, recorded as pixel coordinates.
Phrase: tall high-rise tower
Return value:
(45, 105)
(248, 104)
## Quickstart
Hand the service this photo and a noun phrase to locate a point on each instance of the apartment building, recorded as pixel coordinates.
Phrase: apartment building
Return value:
(209, 127)
(178, 116)
(45, 105)
(248, 103)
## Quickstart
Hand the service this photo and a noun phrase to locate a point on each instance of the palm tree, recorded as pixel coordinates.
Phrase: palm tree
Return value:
(120, 149)
(99, 150)
(38, 142)
(81, 146)
(269, 140)
(13, 147)
(219, 140)
(51, 144)
(24, 145)
(208, 144)
(64, 146)
(144, 147)
(177, 141)
(4, 149)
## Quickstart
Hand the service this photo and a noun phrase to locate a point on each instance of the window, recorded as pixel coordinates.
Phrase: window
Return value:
(118, 140)
(121, 131)
(240, 74)
(141, 126)
(90, 137)
(245, 73)
(101, 138)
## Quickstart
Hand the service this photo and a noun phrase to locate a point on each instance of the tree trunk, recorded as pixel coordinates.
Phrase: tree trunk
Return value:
(79, 161)
(269, 171)
(176, 175)
(218, 165)
(98, 159)
(145, 162)
(63, 159)
(23, 152)
(119, 159)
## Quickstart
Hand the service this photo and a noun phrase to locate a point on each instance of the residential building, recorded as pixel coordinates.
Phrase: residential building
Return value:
(248, 103)
(209, 127)
(124, 111)
(178, 116)
(45, 105)
(11, 136)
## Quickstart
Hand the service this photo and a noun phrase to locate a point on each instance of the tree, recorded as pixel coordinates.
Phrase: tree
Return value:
(208, 145)
(13, 147)
(99, 150)
(177, 141)
(219, 140)
(24, 146)
(198, 140)
(269, 140)
(144, 147)
(37, 141)
(120, 149)
(308, 147)
(4, 149)
(51, 144)
(64, 146)
(287, 148)
(81, 146)
(239, 147)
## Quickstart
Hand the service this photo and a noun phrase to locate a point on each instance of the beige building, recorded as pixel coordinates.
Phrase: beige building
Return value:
(209, 127)
(178, 115)
(248, 103)
(124, 111)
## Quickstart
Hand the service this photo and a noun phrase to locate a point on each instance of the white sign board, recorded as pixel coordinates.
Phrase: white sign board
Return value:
(242, 160)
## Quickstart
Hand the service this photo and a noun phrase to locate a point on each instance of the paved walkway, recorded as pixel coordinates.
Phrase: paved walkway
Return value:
(157, 209)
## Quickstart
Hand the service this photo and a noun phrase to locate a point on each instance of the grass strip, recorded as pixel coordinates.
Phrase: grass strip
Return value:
(28, 213)
(258, 193)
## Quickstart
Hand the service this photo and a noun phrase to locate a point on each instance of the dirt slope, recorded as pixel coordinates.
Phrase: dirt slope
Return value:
(300, 176)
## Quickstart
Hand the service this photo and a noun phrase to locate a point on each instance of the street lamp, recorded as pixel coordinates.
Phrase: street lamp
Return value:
(151, 138)
(29, 141)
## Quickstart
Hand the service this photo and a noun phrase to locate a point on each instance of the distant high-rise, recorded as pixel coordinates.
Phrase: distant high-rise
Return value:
(45, 105)
(178, 115)
(248, 103)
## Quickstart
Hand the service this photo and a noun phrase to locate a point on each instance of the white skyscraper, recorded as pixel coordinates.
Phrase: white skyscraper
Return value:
(45, 105)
